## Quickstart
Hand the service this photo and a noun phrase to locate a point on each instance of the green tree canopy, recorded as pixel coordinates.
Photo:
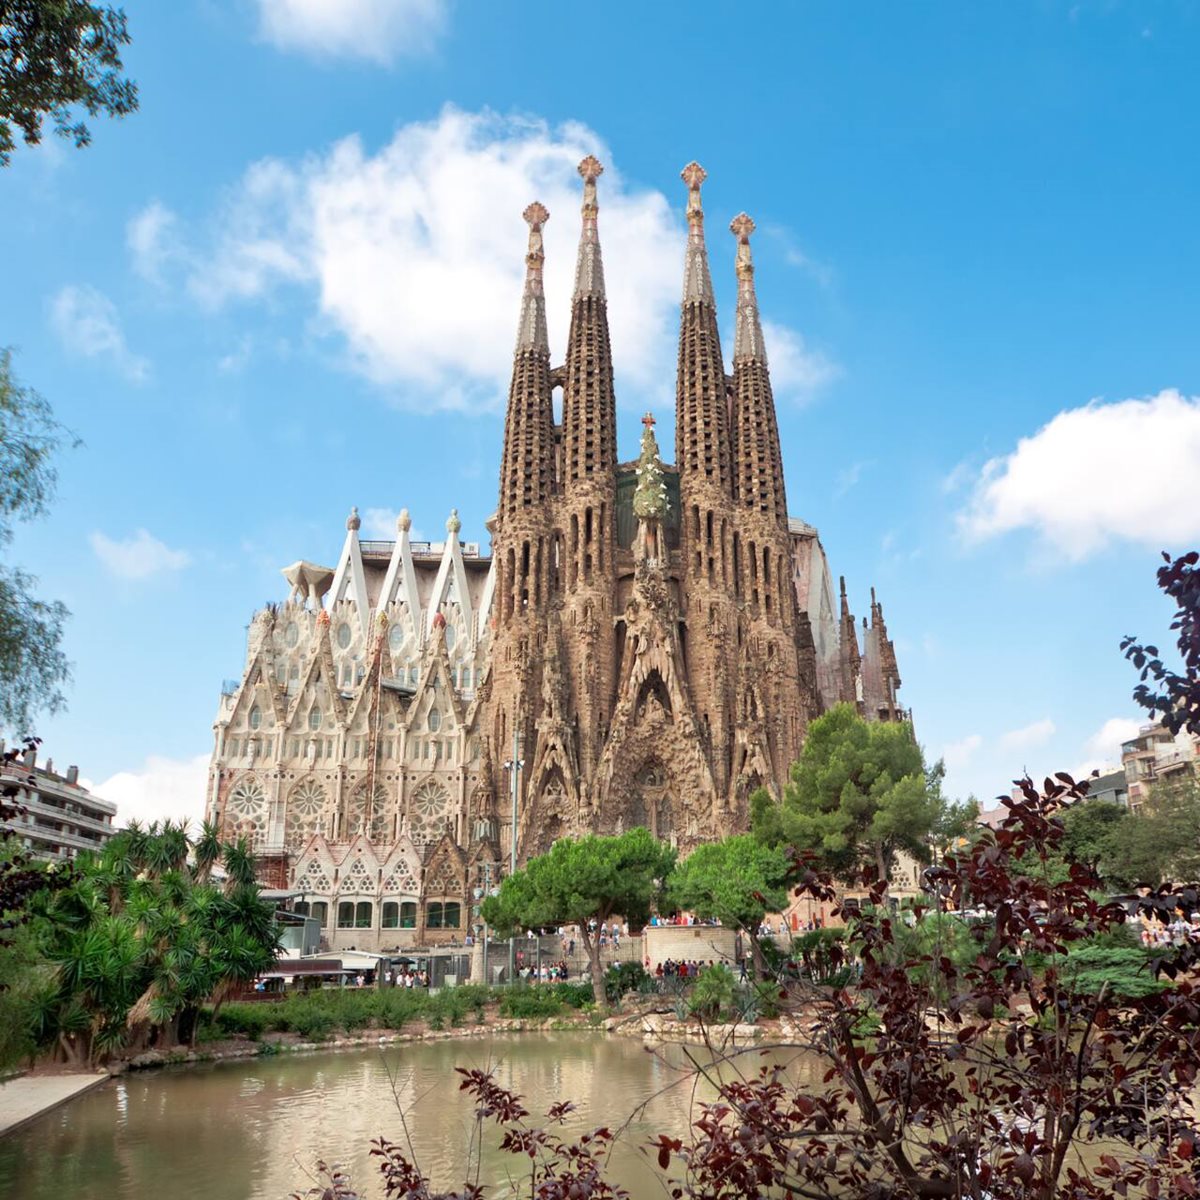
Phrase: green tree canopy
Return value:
(580, 880)
(737, 881)
(57, 57)
(32, 664)
(140, 939)
(859, 794)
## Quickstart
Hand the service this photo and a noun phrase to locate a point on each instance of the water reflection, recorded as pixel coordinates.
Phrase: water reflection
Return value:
(250, 1130)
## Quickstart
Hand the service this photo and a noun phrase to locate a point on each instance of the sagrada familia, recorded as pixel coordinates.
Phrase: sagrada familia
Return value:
(645, 644)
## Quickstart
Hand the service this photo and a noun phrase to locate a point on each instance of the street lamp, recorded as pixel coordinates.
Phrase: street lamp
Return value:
(481, 925)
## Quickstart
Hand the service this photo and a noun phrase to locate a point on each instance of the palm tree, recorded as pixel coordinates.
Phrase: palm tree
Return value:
(207, 851)
(239, 864)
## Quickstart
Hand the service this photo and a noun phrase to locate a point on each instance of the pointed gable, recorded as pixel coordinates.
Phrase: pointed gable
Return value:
(350, 581)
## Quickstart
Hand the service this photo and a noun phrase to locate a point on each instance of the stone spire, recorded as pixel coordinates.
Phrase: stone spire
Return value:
(747, 338)
(589, 266)
(697, 282)
(701, 407)
(526, 470)
(849, 656)
(589, 402)
(531, 332)
(758, 461)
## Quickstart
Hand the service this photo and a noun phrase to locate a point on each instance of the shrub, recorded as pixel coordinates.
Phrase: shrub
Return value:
(250, 1020)
(712, 993)
(577, 995)
(623, 977)
(530, 1004)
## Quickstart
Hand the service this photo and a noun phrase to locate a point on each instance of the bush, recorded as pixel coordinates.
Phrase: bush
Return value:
(623, 977)
(250, 1020)
(533, 1004)
(712, 993)
(576, 995)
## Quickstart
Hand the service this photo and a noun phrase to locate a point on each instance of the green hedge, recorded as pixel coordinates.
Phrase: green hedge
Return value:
(315, 1015)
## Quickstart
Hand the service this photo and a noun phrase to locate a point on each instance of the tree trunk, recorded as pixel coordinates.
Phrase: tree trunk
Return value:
(881, 861)
(591, 943)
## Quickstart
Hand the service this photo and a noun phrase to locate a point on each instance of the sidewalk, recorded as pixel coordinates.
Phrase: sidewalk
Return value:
(23, 1099)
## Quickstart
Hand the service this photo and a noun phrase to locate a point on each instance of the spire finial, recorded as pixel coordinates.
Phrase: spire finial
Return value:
(747, 338)
(353, 521)
(531, 333)
(589, 269)
(697, 284)
(453, 524)
(403, 521)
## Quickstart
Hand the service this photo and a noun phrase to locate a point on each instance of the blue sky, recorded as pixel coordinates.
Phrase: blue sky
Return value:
(290, 284)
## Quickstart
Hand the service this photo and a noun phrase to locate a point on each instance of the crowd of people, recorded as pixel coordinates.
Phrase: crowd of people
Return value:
(1176, 933)
(406, 977)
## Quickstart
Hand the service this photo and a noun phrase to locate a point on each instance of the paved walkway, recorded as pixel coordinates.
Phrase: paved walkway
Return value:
(23, 1099)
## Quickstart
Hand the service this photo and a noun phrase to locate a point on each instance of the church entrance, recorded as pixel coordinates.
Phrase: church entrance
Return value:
(651, 802)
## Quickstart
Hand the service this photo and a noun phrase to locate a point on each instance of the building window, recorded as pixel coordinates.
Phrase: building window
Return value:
(396, 638)
(434, 720)
(362, 915)
(320, 910)
(408, 915)
(301, 909)
(314, 718)
(412, 676)
(391, 915)
(293, 634)
(343, 634)
(255, 717)
(345, 914)
(442, 916)
(451, 637)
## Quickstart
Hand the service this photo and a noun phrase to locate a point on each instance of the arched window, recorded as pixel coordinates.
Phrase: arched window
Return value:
(442, 916)
(293, 634)
(320, 910)
(408, 915)
(314, 718)
(362, 915)
(346, 914)
(301, 909)
(255, 717)
(451, 637)
(391, 915)
(434, 720)
(343, 634)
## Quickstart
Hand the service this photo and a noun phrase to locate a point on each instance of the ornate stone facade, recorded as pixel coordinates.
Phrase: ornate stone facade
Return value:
(649, 642)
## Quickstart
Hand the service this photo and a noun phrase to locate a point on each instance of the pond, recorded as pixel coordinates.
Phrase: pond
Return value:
(250, 1129)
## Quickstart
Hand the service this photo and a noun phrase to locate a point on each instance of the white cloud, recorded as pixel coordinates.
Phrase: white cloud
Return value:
(414, 254)
(138, 556)
(162, 788)
(152, 237)
(1037, 733)
(377, 30)
(87, 323)
(797, 371)
(1103, 748)
(847, 479)
(958, 755)
(1097, 474)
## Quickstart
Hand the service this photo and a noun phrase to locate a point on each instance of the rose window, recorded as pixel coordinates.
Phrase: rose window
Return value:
(428, 809)
(248, 807)
(305, 807)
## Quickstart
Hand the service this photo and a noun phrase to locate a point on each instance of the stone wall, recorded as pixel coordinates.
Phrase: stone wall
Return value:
(678, 942)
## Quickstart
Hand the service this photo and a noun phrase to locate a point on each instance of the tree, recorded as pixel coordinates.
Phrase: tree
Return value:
(56, 57)
(1096, 833)
(140, 940)
(32, 665)
(591, 878)
(1160, 841)
(859, 794)
(737, 881)
(1177, 698)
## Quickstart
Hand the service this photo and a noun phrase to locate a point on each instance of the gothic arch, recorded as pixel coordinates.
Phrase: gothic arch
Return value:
(651, 694)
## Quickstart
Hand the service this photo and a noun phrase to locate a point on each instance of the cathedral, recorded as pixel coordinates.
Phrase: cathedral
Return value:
(641, 644)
